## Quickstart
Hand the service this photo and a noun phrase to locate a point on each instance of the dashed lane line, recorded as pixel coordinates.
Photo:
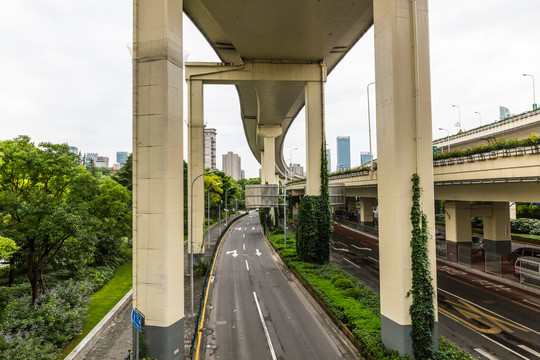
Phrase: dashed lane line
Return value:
(350, 262)
(247, 266)
(265, 328)
(528, 349)
(486, 354)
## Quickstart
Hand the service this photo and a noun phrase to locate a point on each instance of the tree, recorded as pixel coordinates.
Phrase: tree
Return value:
(44, 201)
(7, 247)
(124, 176)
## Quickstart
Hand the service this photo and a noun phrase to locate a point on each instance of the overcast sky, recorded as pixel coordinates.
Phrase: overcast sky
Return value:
(66, 75)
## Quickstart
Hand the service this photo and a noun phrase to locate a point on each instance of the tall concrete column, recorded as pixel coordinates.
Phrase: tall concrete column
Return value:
(404, 147)
(268, 163)
(158, 252)
(458, 226)
(513, 210)
(366, 209)
(497, 234)
(315, 135)
(196, 166)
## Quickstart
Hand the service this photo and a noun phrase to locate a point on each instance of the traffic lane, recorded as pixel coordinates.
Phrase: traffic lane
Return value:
(360, 264)
(293, 331)
(231, 310)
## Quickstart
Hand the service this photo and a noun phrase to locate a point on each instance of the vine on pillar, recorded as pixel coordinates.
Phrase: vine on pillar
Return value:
(422, 311)
(315, 222)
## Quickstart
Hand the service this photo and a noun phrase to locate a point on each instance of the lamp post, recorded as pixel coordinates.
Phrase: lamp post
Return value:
(208, 227)
(447, 137)
(534, 94)
(369, 128)
(458, 124)
(479, 117)
(191, 236)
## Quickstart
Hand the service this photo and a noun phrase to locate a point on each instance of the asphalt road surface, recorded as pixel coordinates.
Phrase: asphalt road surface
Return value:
(480, 319)
(257, 311)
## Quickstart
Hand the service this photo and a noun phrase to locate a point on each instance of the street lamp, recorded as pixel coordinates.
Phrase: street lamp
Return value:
(447, 137)
(191, 236)
(208, 227)
(534, 95)
(479, 117)
(369, 128)
(458, 124)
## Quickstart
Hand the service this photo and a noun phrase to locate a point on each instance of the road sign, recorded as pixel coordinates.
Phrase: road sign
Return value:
(137, 319)
(434, 150)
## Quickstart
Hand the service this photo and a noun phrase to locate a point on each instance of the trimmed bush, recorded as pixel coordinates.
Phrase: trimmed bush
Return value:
(343, 284)
(353, 292)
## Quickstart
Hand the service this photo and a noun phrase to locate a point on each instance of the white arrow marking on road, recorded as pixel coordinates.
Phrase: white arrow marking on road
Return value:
(258, 253)
(359, 248)
(233, 252)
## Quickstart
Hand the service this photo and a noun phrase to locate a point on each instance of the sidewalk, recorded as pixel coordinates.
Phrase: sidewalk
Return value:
(523, 294)
(116, 340)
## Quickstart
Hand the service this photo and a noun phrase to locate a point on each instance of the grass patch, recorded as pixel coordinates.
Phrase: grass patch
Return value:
(103, 301)
(527, 236)
(351, 303)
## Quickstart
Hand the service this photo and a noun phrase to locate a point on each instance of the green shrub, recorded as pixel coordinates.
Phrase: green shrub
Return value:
(353, 292)
(202, 266)
(336, 278)
(525, 226)
(343, 284)
(35, 332)
(96, 276)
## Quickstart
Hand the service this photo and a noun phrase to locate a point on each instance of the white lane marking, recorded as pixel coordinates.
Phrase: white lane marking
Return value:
(247, 266)
(359, 248)
(244, 246)
(369, 257)
(350, 262)
(492, 312)
(258, 253)
(486, 354)
(253, 228)
(486, 337)
(535, 353)
(339, 249)
(531, 302)
(245, 228)
(243, 236)
(264, 327)
(343, 243)
(233, 252)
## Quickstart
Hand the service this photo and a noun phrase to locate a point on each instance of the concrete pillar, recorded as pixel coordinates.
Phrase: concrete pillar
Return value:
(268, 163)
(513, 210)
(196, 167)
(404, 147)
(315, 135)
(158, 250)
(497, 234)
(295, 212)
(458, 226)
(366, 210)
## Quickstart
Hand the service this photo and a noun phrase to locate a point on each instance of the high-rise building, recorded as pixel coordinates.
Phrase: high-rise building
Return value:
(101, 161)
(329, 162)
(343, 153)
(504, 112)
(242, 174)
(74, 150)
(232, 165)
(364, 157)
(121, 157)
(90, 158)
(210, 148)
(297, 169)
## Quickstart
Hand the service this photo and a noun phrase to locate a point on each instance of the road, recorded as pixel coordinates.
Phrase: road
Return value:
(257, 310)
(478, 318)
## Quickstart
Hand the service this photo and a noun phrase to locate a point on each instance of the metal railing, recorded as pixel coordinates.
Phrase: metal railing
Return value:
(493, 263)
(529, 272)
(464, 254)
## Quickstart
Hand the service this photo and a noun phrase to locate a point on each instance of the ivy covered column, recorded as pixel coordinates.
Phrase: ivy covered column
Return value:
(403, 97)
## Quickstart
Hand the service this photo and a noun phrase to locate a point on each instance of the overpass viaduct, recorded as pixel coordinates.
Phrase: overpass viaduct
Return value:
(277, 54)
(496, 178)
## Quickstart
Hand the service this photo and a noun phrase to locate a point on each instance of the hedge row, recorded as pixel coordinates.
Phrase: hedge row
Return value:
(351, 302)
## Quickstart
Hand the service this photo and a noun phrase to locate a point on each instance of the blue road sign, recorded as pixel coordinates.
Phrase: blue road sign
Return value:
(137, 319)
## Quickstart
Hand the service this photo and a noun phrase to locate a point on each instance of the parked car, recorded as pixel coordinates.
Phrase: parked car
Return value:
(477, 242)
(527, 266)
(523, 251)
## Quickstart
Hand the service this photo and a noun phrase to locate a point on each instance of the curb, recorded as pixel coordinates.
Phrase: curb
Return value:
(89, 340)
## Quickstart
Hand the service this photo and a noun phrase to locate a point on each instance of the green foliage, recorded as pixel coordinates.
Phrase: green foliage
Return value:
(498, 144)
(353, 292)
(422, 310)
(265, 218)
(35, 332)
(124, 176)
(527, 210)
(343, 284)
(202, 267)
(315, 222)
(477, 222)
(525, 226)
(7, 247)
(96, 276)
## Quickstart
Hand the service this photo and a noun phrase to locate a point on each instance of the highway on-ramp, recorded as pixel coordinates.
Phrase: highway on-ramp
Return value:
(256, 310)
